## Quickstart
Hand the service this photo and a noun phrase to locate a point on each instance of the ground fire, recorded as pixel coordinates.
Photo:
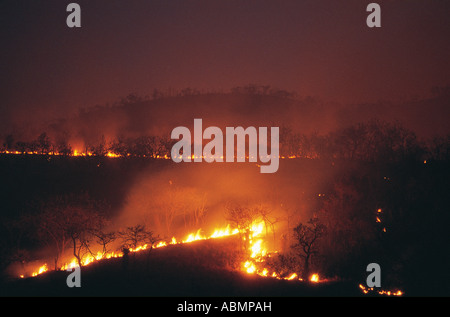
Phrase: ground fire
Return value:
(254, 239)
(255, 246)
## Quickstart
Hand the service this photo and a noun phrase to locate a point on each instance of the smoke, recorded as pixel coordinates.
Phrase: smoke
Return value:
(185, 197)
(168, 200)
(135, 116)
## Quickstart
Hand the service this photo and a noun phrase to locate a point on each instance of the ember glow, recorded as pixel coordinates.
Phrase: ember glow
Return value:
(111, 154)
(88, 259)
(40, 270)
(254, 264)
(321, 140)
(255, 239)
(256, 252)
(314, 278)
(369, 290)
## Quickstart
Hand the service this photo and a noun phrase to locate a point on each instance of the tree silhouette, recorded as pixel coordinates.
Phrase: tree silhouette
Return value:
(43, 143)
(242, 218)
(135, 236)
(69, 219)
(81, 228)
(306, 237)
(9, 142)
(103, 239)
(269, 219)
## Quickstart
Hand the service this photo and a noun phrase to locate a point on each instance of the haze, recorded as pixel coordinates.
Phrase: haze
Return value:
(315, 48)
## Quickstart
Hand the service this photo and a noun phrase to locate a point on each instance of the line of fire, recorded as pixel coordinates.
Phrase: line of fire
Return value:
(123, 211)
(241, 149)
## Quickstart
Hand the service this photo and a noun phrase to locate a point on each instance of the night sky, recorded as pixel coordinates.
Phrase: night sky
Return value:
(318, 48)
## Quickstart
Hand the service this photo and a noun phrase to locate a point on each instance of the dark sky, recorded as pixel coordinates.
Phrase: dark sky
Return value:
(316, 47)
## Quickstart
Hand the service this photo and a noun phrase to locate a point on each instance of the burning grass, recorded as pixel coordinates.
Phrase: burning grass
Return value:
(201, 268)
(224, 249)
(250, 259)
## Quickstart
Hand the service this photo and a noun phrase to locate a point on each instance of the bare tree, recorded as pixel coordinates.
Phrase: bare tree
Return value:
(306, 236)
(99, 147)
(194, 208)
(172, 203)
(82, 226)
(52, 231)
(104, 239)
(43, 143)
(242, 218)
(13, 232)
(69, 219)
(134, 236)
(269, 221)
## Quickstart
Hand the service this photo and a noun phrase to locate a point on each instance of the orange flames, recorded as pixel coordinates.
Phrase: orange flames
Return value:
(256, 249)
(314, 278)
(88, 259)
(78, 153)
(367, 290)
(256, 253)
(40, 270)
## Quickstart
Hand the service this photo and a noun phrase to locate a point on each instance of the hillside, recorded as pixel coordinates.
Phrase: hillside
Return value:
(196, 269)
(135, 116)
(392, 213)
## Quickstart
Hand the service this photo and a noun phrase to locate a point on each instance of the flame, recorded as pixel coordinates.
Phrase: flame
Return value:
(161, 244)
(218, 233)
(111, 154)
(292, 276)
(256, 243)
(250, 267)
(194, 237)
(70, 265)
(257, 252)
(366, 290)
(88, 259)
(139, 248)
(314, 278)
(40, 270)
(257, 228)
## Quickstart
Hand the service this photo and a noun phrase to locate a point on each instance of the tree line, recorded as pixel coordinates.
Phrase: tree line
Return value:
(71, 225)
(371, 141)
